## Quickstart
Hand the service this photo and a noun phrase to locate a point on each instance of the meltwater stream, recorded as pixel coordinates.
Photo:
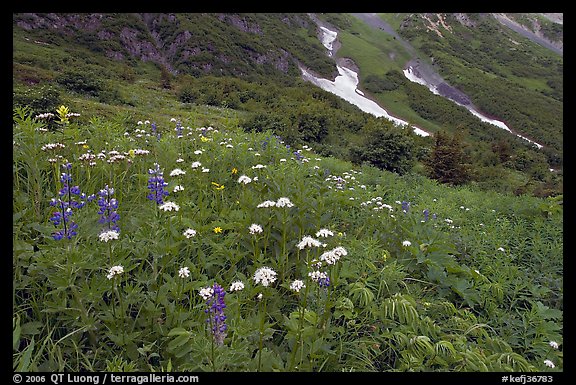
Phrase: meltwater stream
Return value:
(345, 86)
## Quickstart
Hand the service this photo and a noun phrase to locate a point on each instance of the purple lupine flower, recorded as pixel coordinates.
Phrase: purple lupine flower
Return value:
(155, 130)
(178, 130)
(405, 206)
(215, 311)
(108, 207)
(156, 185)
(324, 281)
(65, 203)
(426, 215)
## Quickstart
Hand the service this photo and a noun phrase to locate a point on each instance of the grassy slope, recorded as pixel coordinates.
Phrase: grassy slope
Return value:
(528, 271)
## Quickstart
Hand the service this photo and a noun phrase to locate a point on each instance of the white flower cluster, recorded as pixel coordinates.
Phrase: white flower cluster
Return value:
(284, 202)
(46, 115)
(308, 241)
(406, 243)
(267, 203)
(236, 286)
(196, 164)
(264, 275)
(206, 293)
(258, 166)
(189, 233)
(297, 285)
(332, 256)
(178, 188)
(324, 233)
(244, 179)
(177, 172)
(255, 229)
(52, 146)
(317, 275)
(169, 206)
(114, 271)
(184, 272)
(106, 236)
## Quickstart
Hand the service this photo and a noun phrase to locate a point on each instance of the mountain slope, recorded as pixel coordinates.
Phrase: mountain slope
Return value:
(249, 62)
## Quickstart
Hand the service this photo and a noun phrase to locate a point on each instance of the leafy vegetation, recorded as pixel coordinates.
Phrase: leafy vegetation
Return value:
(425, 277)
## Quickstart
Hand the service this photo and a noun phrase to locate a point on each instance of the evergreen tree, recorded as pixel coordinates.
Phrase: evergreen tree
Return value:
(448, 162)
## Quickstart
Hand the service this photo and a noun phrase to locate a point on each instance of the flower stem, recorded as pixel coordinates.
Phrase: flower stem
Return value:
(262, 322)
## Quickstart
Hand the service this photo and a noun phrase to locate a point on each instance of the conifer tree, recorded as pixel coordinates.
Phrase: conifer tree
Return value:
(448, 162)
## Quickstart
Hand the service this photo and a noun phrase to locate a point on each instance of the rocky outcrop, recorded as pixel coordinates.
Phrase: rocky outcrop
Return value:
(159, 38)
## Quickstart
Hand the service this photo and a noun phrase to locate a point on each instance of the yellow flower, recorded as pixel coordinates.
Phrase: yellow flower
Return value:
(204, 139)
(87, 146)
(217, 186)
(217, 229)
(132, 153)
(234, 171)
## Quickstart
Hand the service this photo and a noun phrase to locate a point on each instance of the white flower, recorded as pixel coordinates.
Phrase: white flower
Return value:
(244, 179)
(283, 160)
(258, 166)
(329, 257)
(140, 122)
(340, 251)
(332, 256)
(169, 206)
(179, 160)
(236, 286)
(549, 364)
(308, 241)
(189, 233)
(206, 293)
(267, 204)
(406, 243)
(106, 236)
(196, 164)
(114, 271)
(297, 285)
(259, 297)
(205, 170)
(284, 202)
(553, 344)
(317, 275)
(501, 249)
(146, 122)
(265, 275)
(177, 172)
(178, 188)
(184, 272)
(255, 229)
(173, 119)
(324, 233)
(198, 152)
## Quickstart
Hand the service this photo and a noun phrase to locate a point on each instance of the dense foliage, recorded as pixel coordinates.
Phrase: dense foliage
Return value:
(146, 243)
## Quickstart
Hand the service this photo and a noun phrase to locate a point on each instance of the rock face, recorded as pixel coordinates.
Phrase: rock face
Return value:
(162, 39)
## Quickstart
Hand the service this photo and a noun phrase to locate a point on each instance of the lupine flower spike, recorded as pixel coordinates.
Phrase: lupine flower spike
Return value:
(214, 297)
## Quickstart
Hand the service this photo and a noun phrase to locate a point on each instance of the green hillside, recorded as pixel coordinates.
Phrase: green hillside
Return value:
(216, 213)
(400, 273)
